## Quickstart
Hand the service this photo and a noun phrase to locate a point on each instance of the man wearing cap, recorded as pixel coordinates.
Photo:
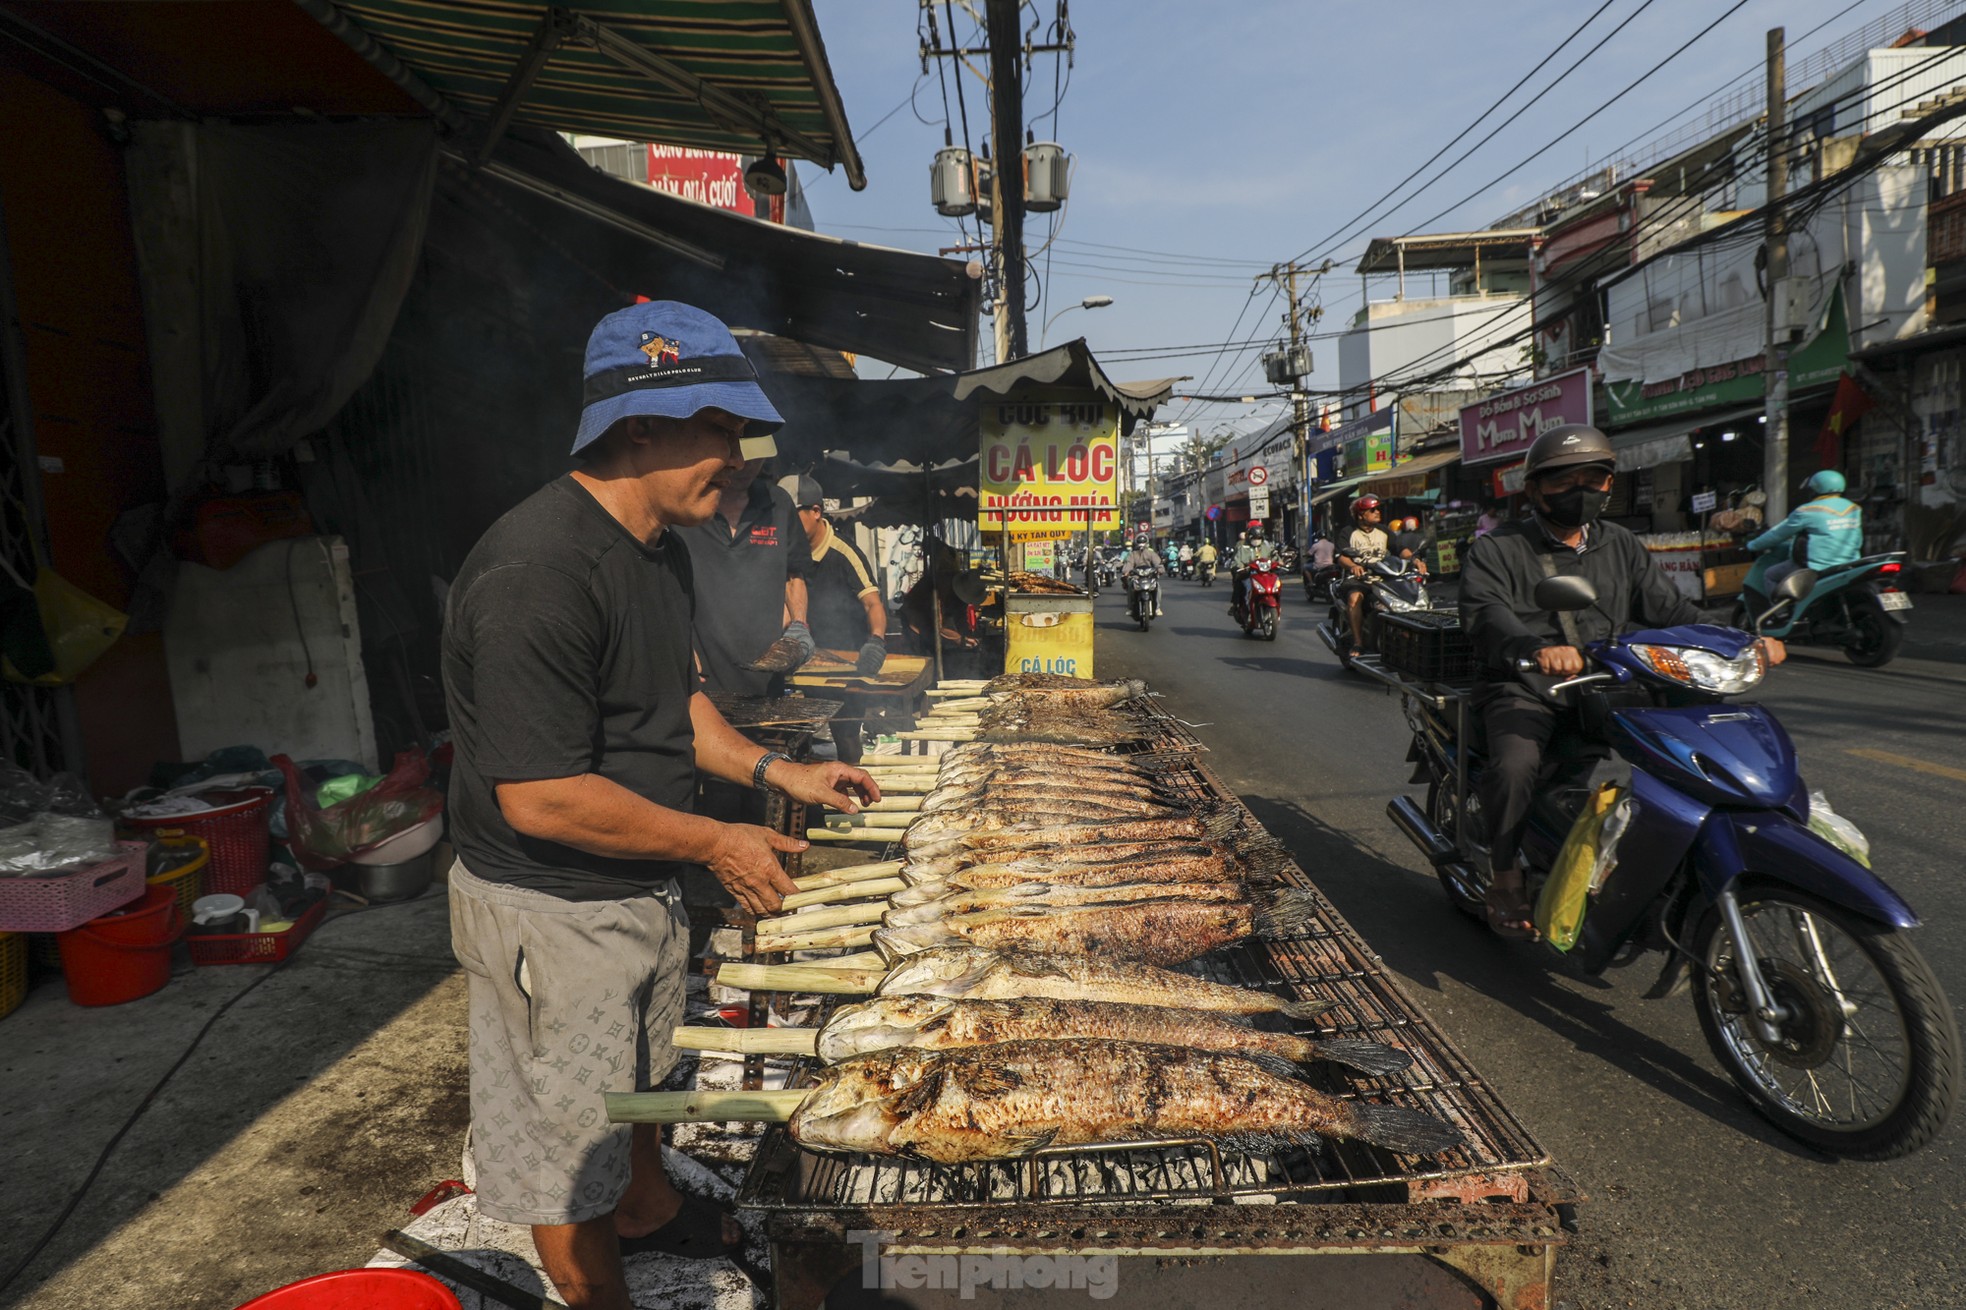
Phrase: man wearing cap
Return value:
(848, 614)
(579, 733)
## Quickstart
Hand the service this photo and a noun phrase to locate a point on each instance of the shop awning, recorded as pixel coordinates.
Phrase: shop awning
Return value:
(1418, 466)
(1671, 442)
(1330, 489)
(743, 76)
(933, 419)
(919, 311)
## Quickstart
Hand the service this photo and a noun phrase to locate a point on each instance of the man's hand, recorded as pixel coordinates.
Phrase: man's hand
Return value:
(840, 786)
(745, 861)
(872, 655)
(1560, 661)
(800, 633)
(1773, 650)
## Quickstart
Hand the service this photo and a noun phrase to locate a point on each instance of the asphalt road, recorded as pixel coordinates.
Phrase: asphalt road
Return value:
(1693, 1200)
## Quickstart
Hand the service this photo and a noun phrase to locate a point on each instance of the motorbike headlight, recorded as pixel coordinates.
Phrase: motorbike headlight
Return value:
(1705, 670)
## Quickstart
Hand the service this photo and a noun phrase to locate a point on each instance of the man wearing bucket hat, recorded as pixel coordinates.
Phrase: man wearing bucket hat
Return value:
(579, 733)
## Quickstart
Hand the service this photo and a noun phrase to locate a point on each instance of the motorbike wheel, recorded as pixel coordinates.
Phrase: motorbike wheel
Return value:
(1269, 625)
(1143, 615)
(1442, 813)
(1868, 1065)
(1874, 636)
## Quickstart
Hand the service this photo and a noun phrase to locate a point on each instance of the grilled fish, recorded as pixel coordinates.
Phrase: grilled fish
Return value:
(937, 1023)
(1008, 1100)
(972, 972)
(929, 902)
(1154, 932)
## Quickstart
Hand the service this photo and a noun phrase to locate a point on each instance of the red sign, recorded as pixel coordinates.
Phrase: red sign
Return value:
(709, 177)
(1258, 475)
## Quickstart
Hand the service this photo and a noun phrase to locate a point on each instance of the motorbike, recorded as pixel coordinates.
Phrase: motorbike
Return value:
(1188, 569)
(1856, 606)
(1318, 582)
(1108, 571)
(1807, 989)
(1259, 605)
(1394, 586)
(1206, 571)
(1143, 594)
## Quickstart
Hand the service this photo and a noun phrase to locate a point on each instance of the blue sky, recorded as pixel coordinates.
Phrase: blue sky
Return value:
(1251, 130)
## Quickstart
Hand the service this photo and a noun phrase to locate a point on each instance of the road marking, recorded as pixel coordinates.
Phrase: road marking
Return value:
(1907, 762)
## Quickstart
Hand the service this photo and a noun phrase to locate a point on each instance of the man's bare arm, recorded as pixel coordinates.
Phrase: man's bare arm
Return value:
(724, 752)
(876, 614)
(795, 600)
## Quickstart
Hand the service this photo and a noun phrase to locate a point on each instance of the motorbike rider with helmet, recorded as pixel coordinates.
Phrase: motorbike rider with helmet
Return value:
(1142, 557)
(1250, 547)
(1567, 477)
(1366, 543)
(1827, 530)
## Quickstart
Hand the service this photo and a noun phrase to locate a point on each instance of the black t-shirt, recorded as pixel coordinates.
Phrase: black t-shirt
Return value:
(740, 574)
(567, 651)
(839, 579)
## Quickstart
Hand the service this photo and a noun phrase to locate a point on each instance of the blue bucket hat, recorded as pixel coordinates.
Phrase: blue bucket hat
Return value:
(670, 360)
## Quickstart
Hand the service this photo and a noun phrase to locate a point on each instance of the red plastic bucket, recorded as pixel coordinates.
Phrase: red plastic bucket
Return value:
(360, 1289)
(120, 957)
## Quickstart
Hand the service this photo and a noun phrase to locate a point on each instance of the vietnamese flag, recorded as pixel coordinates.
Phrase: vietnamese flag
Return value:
(1852, 403)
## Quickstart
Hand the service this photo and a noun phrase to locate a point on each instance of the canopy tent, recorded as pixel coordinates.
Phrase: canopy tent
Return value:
(934, 419)
(748, 76)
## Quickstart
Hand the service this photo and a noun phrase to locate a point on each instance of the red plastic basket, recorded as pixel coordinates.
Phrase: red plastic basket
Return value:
(236, 831)
(70, 899)
(257, 947)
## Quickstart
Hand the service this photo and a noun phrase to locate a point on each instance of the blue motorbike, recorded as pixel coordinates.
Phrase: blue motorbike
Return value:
(1809, 992)
(1855, 606)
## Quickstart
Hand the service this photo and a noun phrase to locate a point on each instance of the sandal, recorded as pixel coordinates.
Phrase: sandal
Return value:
(1509, 914)
(696, 1233)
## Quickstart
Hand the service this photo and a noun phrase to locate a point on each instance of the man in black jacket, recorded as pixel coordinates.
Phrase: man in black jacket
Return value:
(1568, 481)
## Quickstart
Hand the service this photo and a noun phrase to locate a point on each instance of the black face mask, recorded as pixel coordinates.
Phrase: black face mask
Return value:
(1575, 507)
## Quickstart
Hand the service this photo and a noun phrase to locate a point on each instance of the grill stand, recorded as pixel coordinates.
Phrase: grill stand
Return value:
(1504, 1249)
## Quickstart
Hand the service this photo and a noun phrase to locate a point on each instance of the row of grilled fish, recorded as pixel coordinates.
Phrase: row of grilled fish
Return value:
(1024, 1006)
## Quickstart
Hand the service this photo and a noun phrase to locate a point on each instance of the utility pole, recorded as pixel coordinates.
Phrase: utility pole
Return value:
(1007, 136)
(1286, 275)
(1775, 368)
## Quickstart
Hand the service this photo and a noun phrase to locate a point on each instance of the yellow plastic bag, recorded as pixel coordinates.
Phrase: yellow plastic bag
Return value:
(1560, 907)
(79, 629)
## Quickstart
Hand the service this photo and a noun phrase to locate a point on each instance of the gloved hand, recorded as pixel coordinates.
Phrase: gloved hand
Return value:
(798, 632)
(872, 655)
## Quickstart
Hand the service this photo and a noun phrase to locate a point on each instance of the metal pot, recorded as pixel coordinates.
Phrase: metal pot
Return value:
(395, 882)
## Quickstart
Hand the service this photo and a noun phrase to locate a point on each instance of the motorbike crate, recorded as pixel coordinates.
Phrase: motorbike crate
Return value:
(1427, 645)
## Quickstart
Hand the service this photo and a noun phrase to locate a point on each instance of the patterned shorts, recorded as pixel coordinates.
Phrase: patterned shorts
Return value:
(568, 999)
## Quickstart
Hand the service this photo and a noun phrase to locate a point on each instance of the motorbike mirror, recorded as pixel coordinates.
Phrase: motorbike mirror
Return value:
(1795, 586)
(1565, 592)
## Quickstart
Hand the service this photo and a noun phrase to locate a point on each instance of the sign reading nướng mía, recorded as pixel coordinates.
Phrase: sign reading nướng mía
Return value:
(1050, 462)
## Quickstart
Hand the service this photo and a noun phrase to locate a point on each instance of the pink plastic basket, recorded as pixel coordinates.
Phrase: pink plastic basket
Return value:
(71, 899)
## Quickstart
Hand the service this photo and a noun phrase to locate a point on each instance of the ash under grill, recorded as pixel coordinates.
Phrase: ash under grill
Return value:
(1328, 961)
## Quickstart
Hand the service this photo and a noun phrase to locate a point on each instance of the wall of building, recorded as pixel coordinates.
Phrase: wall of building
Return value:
(87, 379)
(1391, 336)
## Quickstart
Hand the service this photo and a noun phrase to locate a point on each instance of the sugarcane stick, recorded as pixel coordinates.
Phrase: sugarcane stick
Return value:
(806, 903)
(748, 1041)
(869, 961)
(818, 940)
(864, 820)
(703, 1107)
(945, 734)
(828, 916)
(846, 874)
(897, 803)
(823, 979)
(876, 836)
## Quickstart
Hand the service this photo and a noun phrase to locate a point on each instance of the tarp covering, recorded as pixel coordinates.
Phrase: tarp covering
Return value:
(919, 311)
(275, 260)
(933, 420)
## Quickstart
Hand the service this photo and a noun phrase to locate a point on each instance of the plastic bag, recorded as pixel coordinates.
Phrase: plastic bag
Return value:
(326, 838)
(46, 826)
(1565, 895)
(78, 629)
(1837, 830)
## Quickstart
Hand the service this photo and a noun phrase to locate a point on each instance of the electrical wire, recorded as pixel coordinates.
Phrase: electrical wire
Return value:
(1318, 248)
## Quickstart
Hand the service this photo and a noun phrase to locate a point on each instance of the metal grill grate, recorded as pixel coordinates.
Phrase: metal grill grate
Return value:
(1328, 961)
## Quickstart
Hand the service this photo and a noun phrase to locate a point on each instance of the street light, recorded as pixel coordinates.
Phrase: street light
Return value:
(1090, 302)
